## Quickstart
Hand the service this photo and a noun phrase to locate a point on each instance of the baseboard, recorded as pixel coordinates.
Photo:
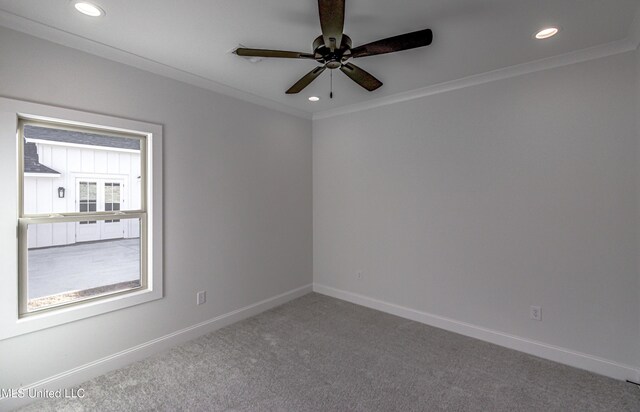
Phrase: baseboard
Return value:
(90, 370)
(543, 350)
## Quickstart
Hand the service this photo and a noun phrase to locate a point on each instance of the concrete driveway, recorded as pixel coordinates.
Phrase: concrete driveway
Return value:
(82, 266)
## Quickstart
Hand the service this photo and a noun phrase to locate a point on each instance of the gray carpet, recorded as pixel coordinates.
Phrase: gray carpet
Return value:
(321, 354)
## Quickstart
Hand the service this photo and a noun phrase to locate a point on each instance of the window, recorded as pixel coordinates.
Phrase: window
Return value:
(87, 199)
(73, 248)
(112, 199)
(88, 215)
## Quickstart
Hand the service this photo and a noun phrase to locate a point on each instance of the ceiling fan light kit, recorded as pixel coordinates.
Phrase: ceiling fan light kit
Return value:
(333, 49)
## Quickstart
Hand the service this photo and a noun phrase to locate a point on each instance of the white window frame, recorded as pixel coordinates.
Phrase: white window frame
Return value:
(14, 320)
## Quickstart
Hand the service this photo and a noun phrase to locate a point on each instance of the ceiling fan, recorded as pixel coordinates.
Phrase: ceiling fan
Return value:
(333, 48)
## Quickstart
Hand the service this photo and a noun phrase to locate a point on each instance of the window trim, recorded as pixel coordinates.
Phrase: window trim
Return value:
(11, 111)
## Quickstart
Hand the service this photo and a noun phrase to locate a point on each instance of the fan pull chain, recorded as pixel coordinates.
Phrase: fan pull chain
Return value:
(331, 84)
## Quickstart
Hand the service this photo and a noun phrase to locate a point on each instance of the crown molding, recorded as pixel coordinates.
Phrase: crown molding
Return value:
(64, 38)
(37, 29)
(597, 52)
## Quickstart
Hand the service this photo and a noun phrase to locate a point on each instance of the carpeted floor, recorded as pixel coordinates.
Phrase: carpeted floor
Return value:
(321, 354)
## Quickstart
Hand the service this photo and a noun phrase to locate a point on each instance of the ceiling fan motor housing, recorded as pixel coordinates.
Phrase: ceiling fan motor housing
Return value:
(332, 59)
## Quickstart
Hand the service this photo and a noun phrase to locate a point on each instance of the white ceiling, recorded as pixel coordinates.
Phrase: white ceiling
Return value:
(196, 36)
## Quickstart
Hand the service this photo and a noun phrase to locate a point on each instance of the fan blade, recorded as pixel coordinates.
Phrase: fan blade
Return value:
(306, 80)
(331, 22)
(393, 44)
(360, 76)
(241, 51)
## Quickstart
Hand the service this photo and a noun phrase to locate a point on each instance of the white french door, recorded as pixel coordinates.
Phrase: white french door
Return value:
(99, 195)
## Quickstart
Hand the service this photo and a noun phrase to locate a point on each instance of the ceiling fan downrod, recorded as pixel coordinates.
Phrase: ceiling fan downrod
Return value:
(331, 85)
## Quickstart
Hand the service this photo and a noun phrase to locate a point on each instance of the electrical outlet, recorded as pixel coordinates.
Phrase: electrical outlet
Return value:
(359, 275)
(201, 297)
(535, 312)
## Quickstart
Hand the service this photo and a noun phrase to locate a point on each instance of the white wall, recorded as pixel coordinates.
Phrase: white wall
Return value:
(475, 204)
(237, 200)
(41, 193)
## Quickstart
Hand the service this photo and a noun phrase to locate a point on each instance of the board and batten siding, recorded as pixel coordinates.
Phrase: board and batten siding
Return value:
(41, 193)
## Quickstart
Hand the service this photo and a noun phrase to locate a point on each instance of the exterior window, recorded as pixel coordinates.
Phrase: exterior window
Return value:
(87, 200)
(112, 199)
(83, 221)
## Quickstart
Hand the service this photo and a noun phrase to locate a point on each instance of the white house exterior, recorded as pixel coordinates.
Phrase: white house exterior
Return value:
(97, 173)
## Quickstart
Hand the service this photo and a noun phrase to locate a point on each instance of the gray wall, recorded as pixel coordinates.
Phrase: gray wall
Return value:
(477, 203)
(638, 174)
(237, 207)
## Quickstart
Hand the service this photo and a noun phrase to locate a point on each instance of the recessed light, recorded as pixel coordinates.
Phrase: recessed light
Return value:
(89, 9)
(546, 33)
(314, 98)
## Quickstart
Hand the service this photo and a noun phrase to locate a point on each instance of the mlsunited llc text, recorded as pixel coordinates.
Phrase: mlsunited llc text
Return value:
(42, 393)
